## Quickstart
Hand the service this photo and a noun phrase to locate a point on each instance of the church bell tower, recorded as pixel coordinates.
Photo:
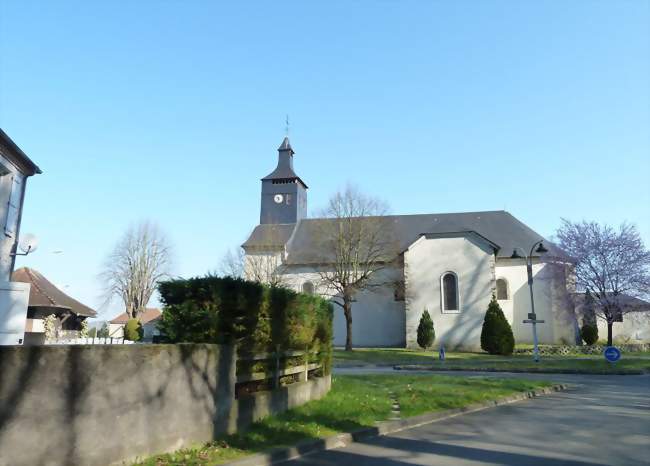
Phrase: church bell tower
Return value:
(284, 194)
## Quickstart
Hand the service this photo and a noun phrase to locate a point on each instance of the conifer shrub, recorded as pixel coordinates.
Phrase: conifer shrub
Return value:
(589, 333)
(255, 317)
(133, 330)
(496, 335)
(426, 333)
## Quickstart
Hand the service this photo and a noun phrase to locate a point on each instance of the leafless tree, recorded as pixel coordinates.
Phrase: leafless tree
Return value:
(612, 265)
(356, 243)
(139, 260)
(264, 268)
(232, 263)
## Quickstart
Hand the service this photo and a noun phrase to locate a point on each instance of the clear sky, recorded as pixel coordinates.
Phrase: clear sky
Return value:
(172, 111)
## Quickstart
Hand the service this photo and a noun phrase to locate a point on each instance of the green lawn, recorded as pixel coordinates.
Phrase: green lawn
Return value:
(630, 362)
(353, 403)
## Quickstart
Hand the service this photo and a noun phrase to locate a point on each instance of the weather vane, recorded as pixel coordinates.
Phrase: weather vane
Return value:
(286, 128)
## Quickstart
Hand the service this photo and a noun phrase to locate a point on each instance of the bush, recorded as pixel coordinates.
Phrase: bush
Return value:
(426, 333)
(255, 317)
(589, 333)
(103, 332)
(133, 330)
(496, 335)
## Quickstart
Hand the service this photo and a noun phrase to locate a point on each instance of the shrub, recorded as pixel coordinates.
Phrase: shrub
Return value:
(103, 332)
(83, 332)
(92, 333)
(589, 333)
(426, 333)
(133, 330)
(255, 317)
(496, 335)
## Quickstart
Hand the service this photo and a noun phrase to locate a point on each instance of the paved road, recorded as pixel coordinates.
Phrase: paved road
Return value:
(602, 420)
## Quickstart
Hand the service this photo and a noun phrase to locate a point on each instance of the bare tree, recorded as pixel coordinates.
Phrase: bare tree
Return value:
(356, 244)
(612, 265)
(232, 263)
(140, 259)
(264, 268)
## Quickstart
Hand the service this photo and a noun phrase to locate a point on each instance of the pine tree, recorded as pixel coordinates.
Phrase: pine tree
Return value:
(426, 333)
(496, 335)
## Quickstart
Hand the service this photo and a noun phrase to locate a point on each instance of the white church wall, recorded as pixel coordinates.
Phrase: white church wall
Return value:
(377, 319)
(426, 260)
(550, 302)
(635, 328)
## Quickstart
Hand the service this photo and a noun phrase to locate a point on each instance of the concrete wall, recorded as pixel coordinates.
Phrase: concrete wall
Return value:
(97, 405)
(426, 260)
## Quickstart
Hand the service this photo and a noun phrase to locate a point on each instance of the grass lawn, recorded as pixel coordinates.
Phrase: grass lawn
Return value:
(475, 361)
(353, 403)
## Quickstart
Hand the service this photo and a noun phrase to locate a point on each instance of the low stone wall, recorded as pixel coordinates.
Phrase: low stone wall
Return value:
(97, 405)
(562, 350)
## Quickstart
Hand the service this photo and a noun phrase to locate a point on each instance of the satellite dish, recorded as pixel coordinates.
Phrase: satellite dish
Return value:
(28, 243)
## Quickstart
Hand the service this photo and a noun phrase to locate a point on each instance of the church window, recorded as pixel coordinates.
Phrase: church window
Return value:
(502, 289)
(308, 288)
(450, 296)
(288, 198)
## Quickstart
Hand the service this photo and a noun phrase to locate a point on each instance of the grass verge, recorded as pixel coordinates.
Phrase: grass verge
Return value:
(588, 364)
(353, 403)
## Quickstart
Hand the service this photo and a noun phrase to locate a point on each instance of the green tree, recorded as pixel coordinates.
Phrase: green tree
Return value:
(92, 333)
(133, 330)
(426, 333)
(496, 335)
(589, 333)
(103, 332)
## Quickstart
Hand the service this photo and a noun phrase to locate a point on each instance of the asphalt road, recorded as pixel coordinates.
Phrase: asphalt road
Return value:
(601, 420)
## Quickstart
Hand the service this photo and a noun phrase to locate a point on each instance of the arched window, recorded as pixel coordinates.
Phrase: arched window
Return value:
(308, 288)
(502, 289)
(449, 289)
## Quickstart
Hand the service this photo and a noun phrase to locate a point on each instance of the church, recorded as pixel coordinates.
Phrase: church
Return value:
(449, 264)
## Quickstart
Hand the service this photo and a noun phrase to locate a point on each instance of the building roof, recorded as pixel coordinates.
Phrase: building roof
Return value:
(269, 236)
(43, 293)
(284, 169)
(19, 157)
(400, 231)
(147, 316)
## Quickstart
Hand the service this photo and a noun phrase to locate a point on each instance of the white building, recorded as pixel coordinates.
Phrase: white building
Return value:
(449, 264)
(15, 168)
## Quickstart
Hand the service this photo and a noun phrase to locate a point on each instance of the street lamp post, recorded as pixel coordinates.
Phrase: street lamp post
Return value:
(539, 248)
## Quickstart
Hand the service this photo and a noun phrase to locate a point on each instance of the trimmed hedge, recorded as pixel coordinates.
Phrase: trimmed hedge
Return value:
(255, 317)
(133, 330)
(426, 333)
(496, 334)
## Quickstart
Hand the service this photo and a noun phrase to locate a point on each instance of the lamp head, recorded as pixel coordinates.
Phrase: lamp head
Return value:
(515, 255)
(541, 249)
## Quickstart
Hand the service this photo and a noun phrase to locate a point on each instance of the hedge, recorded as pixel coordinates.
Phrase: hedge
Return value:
(255, 317)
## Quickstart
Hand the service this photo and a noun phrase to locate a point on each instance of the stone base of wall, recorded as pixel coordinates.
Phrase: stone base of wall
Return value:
(574, 349)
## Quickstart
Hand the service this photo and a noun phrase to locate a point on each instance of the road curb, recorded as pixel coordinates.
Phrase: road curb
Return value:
(422, 367)
(307, 447)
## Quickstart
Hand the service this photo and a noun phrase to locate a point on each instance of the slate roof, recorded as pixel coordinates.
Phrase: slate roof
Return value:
(147, 316)
(498, 227)
(21, 158)
(284, 170)
(43, 293)
(269, 235)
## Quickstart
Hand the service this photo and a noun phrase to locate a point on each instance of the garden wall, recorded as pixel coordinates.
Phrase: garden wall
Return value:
(96, 405)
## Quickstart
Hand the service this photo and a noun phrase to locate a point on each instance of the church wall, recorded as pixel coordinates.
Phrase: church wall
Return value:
(377, 319)
(426, 261)
(551, 304)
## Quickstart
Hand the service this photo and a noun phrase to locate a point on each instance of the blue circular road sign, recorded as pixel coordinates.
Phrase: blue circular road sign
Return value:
(612, 354)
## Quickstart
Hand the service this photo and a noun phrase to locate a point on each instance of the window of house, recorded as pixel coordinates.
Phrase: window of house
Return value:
(450, 295)
(399, 290)
(13, 206)
(502, 289)
(308, 288)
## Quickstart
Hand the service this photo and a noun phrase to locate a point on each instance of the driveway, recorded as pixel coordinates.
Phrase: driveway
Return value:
(601, 420)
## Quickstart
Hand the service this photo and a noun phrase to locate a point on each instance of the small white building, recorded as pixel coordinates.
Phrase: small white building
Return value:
(15, 168)
(449, 264)
(149, 320)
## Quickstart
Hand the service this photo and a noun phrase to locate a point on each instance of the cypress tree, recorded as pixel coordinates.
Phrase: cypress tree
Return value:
(426, 333)
(496, 335)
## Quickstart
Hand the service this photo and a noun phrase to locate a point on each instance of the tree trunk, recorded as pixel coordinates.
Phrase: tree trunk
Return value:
(609, 332)
(347, 310)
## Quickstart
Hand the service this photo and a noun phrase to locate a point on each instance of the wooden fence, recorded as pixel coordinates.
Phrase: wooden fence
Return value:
(278, 372)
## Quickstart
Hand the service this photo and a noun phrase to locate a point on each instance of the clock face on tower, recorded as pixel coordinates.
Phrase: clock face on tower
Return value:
(278, 198)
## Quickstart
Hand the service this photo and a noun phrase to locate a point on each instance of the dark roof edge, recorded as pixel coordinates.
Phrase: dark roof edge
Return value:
(23, 160)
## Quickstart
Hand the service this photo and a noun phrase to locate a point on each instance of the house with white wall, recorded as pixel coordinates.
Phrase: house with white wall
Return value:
(449, 264)
(15, 169)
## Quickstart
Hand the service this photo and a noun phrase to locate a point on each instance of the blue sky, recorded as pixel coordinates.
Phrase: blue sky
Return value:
(172, 111)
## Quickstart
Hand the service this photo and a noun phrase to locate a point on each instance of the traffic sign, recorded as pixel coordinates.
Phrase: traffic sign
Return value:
(612, 354)
(531, 321)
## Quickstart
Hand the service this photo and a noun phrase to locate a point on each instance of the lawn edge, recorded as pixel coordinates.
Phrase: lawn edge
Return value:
(281, 454)
(426, 367)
